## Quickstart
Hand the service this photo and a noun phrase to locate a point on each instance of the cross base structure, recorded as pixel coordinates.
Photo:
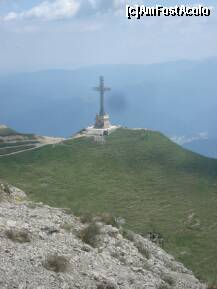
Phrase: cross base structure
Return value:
(102, 121)
(102, 126)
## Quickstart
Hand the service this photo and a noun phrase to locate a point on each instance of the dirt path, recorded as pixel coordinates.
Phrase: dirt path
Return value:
(42, 141)
(17, 146)
(18, 152)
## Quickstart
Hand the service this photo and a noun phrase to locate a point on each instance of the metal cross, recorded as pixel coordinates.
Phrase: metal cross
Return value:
(102, 89)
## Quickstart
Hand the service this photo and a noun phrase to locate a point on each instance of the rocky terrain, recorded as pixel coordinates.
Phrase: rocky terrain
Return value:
(48, 248)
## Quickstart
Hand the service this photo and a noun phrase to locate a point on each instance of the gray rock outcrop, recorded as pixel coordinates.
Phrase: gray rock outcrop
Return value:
(46, 248)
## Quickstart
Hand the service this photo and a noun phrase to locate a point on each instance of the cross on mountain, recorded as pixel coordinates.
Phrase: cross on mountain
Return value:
(102, 119)
(102, 89)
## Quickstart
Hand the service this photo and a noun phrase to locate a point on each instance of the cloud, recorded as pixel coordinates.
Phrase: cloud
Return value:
(102, 5)
(181, 140)
(58, 9)
(65, 9)
(10, 16)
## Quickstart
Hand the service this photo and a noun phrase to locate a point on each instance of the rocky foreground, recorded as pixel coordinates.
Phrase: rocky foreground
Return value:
(47, 248)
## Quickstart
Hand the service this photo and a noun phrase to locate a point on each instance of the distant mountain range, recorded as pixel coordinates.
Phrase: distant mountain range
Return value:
(206, 147)
(200, 143)
(176, 98)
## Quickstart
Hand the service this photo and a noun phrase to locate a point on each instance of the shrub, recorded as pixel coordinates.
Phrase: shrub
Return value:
(142, 250)
(86, 218)
(168, 279)
(6, 188)
(89, 234)
(106, 285)
(67, 211)
(156, 238)
(56, 263)
(32, 205)
(129, 235)
(105, 218)
(108, 220)
(163, 286)
(213, 286)
(67, 227)
(20, 236)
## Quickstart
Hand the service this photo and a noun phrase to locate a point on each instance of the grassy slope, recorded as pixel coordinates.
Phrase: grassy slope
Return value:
(17, 143)
(12, 149)
(141, 176)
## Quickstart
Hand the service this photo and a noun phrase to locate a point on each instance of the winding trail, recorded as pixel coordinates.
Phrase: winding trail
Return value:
(17, 146)
(33, 144)
(18, 152)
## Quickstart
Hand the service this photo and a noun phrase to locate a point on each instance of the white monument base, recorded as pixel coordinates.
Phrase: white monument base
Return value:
(91, 131)
(102, 122)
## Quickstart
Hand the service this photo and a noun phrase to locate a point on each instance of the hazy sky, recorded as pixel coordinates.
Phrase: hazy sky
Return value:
(36, 35)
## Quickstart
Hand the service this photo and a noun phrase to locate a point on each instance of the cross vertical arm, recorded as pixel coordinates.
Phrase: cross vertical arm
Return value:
(102, 89)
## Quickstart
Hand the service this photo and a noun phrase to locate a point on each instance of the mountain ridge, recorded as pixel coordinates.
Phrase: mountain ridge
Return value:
(139, 175)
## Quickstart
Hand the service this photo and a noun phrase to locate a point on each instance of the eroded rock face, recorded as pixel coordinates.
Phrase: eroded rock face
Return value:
(42, 248)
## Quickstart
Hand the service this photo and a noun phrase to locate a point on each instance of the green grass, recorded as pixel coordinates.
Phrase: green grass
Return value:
(139, 175)
(9, 150)
(17, 143)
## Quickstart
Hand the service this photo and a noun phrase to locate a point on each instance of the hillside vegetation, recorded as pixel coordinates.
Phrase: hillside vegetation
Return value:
(139, 175)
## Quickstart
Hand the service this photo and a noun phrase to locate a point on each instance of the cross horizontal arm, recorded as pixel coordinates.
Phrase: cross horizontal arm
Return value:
(107, 88)
(102, 88)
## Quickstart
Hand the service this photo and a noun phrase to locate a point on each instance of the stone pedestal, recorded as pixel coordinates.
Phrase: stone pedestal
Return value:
(102, 122)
